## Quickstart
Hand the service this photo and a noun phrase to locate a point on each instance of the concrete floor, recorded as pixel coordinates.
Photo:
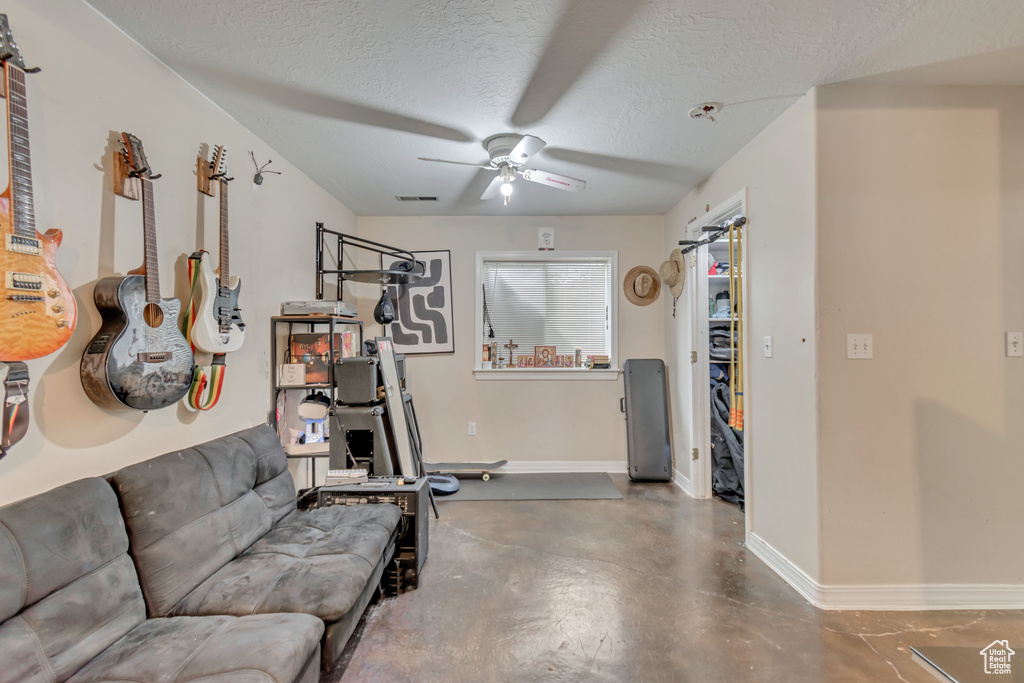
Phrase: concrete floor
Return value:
(655, 587)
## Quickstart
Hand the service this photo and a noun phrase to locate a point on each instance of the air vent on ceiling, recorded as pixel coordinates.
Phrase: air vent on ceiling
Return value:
(414, 198)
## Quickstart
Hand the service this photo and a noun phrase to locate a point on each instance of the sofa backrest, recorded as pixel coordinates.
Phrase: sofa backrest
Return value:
(192, 511)
(68, 589)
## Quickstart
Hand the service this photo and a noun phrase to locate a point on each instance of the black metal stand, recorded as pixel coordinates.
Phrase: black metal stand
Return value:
(411, 270)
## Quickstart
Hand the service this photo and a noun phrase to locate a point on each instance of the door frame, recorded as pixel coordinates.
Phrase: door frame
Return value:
(700, 469)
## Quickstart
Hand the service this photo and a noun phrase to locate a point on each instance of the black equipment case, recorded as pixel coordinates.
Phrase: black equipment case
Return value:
(647, 420)
(357, 379)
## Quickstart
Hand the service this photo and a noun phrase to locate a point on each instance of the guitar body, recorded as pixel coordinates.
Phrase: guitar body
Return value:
(139, 358)
(37, 311)
(218, 327)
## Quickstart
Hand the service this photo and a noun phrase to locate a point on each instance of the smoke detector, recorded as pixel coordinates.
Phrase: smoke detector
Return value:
(707, 110)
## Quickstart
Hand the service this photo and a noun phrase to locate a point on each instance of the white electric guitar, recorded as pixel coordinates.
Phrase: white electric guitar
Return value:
(218, 326)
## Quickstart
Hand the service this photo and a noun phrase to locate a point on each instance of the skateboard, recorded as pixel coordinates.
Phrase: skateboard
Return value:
(482, 468)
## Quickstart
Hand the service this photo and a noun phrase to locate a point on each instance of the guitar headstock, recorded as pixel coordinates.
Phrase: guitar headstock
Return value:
(219, 164)
(135, 157)
(8, 48)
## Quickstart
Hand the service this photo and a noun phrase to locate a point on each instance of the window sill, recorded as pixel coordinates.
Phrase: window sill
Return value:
(563, 374)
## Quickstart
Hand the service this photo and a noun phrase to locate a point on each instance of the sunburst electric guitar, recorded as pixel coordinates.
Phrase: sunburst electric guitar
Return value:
(218, 326)
(139, 359)
(37, 311)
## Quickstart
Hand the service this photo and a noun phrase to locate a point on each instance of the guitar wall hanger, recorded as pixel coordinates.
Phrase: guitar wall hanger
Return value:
(10, 55)
(126, 181)
(206, 176)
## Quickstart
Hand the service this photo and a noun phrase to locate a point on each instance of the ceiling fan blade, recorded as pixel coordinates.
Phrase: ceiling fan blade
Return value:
(459, 163)
(584, 32)
(492, 190)
(562, 182)
(525, 148)
(651, 170)
(298, 99)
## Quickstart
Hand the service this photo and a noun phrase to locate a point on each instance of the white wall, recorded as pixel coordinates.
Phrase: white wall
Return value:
(95, 83)
(542, 420)
(921, 198)
(777, 169)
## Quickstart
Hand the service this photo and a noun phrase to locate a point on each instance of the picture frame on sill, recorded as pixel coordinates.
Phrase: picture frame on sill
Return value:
(544, 356)
(424, 322)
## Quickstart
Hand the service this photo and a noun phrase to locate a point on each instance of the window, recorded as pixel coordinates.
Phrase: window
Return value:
(561, 299)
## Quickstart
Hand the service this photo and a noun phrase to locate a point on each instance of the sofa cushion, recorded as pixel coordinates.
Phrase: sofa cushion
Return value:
(316, 561)
(269, 647)
(69, 589)
(192, 511)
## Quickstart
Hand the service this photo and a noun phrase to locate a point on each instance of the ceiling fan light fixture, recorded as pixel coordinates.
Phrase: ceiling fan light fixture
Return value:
(506, 189)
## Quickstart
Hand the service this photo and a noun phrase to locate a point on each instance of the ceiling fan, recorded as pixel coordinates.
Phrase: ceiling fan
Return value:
(508, 153)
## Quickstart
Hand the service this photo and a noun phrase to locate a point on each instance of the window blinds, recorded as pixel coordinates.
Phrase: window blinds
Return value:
(549, 303)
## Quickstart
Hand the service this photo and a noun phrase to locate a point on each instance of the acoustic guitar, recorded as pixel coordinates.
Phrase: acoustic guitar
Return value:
(139, 359)
(218, 326)
(37, 311)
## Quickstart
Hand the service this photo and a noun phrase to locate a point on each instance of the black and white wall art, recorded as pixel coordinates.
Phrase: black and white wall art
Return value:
(423, 309)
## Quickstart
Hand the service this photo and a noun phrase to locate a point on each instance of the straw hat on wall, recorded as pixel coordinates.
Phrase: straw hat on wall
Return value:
(641, 285)
(673, 272)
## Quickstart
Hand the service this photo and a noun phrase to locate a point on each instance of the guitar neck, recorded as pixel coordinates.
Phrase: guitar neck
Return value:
(149, 242)
(225, 279)
(23, 215)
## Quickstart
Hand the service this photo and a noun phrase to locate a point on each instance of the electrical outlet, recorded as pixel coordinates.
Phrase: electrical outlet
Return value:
(768, 346)
(1014, 344)
(860, 346)
(472, 429)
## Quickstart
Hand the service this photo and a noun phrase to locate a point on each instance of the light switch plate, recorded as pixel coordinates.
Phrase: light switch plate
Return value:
(860, 346)
(1014, 344)
(768, 346)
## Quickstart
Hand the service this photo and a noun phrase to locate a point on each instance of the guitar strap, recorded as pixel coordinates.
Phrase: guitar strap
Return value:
(208, 379)
(14, 377)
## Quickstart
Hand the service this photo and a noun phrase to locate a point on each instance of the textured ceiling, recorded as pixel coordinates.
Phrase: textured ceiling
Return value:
(352, 92)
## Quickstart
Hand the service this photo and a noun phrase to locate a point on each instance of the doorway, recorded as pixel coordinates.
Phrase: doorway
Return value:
(710, 307)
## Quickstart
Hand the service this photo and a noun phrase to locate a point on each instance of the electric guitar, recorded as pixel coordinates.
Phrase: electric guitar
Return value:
(218, 326)
(139, 359)
(37, 310)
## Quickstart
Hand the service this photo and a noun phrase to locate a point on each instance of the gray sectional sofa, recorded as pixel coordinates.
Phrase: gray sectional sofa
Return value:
(195, 565)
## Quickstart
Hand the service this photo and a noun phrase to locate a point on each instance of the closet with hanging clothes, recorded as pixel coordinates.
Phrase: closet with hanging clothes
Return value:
(725, 354)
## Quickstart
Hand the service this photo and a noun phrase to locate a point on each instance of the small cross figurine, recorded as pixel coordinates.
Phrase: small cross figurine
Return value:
(510, 346)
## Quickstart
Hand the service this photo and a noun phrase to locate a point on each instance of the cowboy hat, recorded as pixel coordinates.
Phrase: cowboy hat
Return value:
(641, 285)
(673, 272)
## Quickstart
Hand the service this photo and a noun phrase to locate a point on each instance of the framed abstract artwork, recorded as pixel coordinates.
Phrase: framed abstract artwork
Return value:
(423, 310)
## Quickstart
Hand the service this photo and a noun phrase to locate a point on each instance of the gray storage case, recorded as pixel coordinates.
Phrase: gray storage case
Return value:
(647, 420)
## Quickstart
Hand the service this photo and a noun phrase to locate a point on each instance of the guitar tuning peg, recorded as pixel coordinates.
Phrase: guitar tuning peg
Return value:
(33, 70)
(154, 177)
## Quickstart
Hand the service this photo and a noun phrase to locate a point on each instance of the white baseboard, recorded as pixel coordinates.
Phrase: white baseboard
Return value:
(537, 466)
(792, 574)
(888, 597)
(684, 484)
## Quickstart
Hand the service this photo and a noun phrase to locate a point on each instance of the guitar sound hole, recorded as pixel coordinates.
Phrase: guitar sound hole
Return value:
(153, 315)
